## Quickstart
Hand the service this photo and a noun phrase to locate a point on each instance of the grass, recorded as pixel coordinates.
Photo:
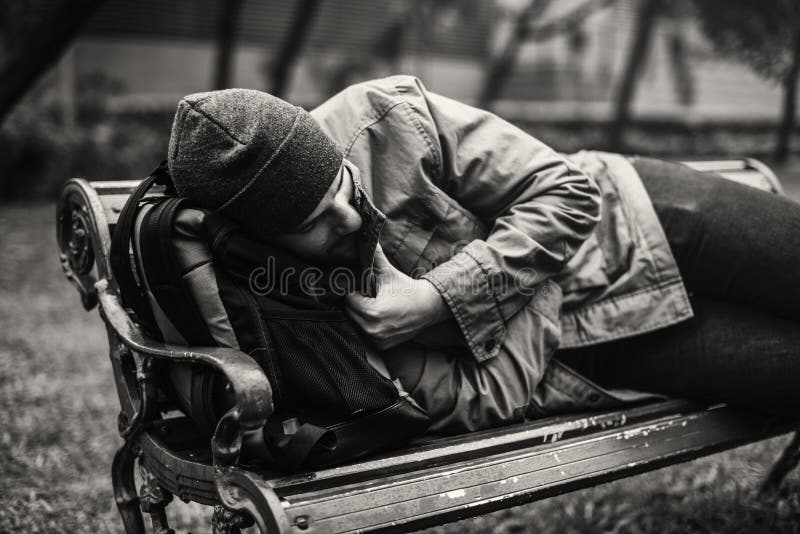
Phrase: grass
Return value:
(58, 432)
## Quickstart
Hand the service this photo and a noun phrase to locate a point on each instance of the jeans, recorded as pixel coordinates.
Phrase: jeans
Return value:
(738, 251)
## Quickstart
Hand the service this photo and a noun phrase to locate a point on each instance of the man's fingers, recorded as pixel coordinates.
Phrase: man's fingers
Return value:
(354, 302)
(368, 327)
(381, 261)
(355, 316)
(367, 308)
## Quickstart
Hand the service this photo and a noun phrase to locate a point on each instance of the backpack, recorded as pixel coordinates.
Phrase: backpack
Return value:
(333, 401)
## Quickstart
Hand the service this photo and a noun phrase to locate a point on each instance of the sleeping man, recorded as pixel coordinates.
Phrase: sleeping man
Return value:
(507, 281)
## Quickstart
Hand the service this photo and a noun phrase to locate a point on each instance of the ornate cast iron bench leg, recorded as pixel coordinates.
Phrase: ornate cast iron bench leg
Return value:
(154, 500)
(125, 489)
(225, 521)
(787, 461)
(246, 498)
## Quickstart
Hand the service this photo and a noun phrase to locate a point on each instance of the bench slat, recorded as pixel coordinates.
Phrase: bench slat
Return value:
(719, 165)
(477, 445)
(429, 496)
(112, 206)
(113, 200)
(751, 178)
(115, 186)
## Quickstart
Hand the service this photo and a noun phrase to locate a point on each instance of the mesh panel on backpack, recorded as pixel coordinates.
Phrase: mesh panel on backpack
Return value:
(343, 385)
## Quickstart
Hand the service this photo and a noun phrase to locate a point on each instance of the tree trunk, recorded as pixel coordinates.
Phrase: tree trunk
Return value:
(638, 51)
(502, 66)
(789, 108)
(35, 37)
(226, 38)
(292, 45)
(386, 50)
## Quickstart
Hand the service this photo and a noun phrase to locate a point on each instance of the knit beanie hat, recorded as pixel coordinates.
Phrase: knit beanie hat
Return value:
(251, 156)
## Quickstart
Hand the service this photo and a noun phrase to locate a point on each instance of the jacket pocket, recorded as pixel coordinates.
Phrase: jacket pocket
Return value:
(607, 254)
(614, 232)
(586, 269)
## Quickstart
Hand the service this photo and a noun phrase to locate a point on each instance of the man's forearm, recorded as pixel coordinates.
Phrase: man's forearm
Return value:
(435, 307)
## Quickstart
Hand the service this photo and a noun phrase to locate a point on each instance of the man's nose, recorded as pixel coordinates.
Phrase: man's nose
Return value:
(348, 219)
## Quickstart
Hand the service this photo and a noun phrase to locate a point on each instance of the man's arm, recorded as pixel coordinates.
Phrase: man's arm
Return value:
(539, 209)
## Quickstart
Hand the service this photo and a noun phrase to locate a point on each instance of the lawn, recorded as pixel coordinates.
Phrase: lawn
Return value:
(58, 432)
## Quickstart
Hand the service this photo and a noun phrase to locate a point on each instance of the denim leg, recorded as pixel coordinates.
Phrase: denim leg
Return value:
(727, 352)
(732, 242)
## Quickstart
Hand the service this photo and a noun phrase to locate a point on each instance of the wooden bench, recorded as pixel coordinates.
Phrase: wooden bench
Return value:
(429, 483)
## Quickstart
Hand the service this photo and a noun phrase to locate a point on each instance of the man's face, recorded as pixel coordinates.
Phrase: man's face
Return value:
(329, 234)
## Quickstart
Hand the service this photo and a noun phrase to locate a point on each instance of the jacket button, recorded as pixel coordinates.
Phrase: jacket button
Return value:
(489, 345)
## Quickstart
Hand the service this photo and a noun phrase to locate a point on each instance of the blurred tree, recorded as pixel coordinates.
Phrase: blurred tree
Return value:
(682, 76)
(34, 34)
(226, 39)
(638, 51)
(503, 57)
(417, 21)
(673, 18)
(293, 42)
(386, 50)
(764, 34)
(524, 30)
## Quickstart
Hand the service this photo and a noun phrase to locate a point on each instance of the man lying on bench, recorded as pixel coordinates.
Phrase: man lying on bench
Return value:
(506, 281)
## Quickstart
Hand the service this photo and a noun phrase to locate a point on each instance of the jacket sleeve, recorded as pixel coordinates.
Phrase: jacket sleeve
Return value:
(538, 206)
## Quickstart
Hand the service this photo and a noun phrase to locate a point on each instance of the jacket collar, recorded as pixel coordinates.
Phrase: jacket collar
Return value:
(372, 221)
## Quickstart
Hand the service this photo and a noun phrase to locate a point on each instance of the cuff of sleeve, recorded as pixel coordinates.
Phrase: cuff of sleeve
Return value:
(465, 286)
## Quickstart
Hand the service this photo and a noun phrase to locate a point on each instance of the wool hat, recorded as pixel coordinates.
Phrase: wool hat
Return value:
(251, 156)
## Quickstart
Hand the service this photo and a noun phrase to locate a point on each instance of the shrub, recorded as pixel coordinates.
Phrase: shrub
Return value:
(41, 149)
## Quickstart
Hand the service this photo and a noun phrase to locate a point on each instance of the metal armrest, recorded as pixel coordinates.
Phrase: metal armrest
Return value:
(252, 391)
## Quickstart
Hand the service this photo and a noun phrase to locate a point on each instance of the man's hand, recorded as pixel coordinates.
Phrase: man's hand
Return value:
(402, 307)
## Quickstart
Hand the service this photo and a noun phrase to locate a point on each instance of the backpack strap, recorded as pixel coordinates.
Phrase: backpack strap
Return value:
(292, 451)
(132, 294)
(163, 274)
